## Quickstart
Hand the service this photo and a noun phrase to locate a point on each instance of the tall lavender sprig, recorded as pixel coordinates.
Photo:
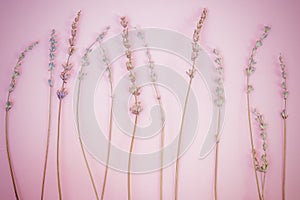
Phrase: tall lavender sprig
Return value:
(84, 63)
(51, 66)
(219, 101)
(62, 92)
(136, 108)
(8, 107)
(284, 116)
(153, 77)
(110, 80)
(249, 71)
(191, 74)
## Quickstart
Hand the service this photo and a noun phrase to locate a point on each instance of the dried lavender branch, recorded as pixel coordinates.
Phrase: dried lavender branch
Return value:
(108, 69)
(62, 93)
(135, 91)
(153, 77)
(8, 107)
(84, 64)
(249, 71)
(284, 116)
(219, 101)
(51, 66)
(191, 74)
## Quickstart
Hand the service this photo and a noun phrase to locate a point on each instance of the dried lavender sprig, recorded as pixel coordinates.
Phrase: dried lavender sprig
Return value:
(249, 71)
(84, 63)
(8, 106)
(109, 75)
(219, 101)
(261, 164)
(51, 66)
(284, 116)
(62, 93)
(136, 108)
(153, 76)
(190, 73)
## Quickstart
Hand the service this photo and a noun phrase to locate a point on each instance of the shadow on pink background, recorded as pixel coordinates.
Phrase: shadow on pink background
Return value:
(231, 26)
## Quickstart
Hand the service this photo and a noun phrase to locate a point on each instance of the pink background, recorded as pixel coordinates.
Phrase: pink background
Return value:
(232, 26)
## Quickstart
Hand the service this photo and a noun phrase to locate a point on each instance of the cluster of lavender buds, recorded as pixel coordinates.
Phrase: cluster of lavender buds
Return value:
(285, 92)
(251, 69)
(66, 73)
(195, 46)
(261, 164)
(52, 55)
(219, 101)
(17, 73)
(133, 89)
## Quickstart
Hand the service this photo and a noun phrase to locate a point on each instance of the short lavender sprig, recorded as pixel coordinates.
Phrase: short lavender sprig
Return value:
(219, 101)
(8, 107)
(284, 116)
(63, 92)
(261, 163)
(51, 66)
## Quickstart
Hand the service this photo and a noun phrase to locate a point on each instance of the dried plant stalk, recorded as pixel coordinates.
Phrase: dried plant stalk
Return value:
(8, 107)
(109, 70)
(136, 108)
(219, 101)
(284, 116)
(62, 93)
(153, 78)
(82, 74)
(191, 74)
(51, 66)
(249, 71)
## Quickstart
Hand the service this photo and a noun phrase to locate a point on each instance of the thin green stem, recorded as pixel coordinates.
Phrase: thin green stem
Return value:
(263, 185)
(48, 140)
(284, 155)
(109, 143)
(252, 143)
(162, 142)
(130, 154)
(180, 137)
(9, 157)
(57, 150)
(217, 155)
(81, 144)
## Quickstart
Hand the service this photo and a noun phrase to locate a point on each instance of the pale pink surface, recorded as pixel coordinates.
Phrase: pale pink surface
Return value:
(231, 26)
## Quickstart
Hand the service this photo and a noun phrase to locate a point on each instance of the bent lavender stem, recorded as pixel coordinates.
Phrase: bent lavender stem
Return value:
(153, 78)
(191, 74)
(8, 107)
(136, 108)
(108, 68)
(249, 71)
(82, 74)
(51, 66)
(62, 93)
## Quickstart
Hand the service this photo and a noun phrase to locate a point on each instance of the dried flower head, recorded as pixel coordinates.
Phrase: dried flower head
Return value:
(133, 89)
(67, 66)
(261, 163)
(251, 69)
(219, 100)
(285, 91)
(16, 73)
